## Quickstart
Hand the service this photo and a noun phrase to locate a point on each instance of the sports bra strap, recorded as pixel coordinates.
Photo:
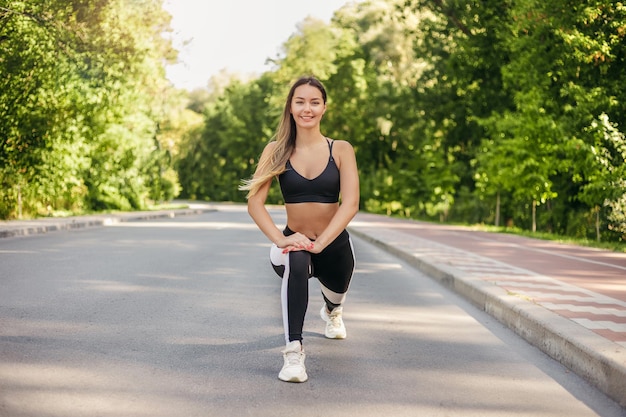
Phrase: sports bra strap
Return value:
(330, 146)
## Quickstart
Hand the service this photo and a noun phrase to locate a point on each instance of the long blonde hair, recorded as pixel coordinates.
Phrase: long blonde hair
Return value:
(285, 138)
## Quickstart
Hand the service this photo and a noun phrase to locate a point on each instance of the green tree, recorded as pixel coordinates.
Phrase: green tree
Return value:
(81, 99)
(236, 127)
(560, 57)
(464, 111)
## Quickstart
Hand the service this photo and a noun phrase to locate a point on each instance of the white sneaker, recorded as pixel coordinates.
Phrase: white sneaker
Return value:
(293, 368)
(335, 328)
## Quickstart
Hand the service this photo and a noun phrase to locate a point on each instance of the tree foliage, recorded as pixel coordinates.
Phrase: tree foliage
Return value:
(509, 112)
(82, 97)
(476, 111)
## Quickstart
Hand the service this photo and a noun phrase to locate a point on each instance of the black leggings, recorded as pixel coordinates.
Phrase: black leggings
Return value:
(333, 267)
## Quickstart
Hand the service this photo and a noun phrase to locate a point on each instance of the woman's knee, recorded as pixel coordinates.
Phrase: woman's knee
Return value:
(300, 263)
(297, 262)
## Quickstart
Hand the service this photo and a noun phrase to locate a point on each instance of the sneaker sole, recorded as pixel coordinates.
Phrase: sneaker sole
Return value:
(295, 378)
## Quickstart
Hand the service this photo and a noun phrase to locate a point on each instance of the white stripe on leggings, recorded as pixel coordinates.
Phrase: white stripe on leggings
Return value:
(283, 299)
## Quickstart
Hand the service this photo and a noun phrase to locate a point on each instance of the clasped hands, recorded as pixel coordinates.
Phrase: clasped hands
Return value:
(296, 242)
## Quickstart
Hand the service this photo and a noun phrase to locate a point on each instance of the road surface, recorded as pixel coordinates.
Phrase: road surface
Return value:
(181, 317)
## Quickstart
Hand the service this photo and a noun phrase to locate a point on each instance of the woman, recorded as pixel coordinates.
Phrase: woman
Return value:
(312, 171)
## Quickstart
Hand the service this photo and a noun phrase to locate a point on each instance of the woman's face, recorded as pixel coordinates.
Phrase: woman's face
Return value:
(307, 106)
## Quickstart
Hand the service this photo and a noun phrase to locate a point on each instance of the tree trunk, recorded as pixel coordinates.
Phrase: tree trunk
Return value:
(19, 201)
(498, 209)
(598, 223)
(534, 216)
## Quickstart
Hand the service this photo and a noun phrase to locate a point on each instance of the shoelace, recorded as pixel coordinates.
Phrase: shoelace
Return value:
(335, 318)
(294, 358)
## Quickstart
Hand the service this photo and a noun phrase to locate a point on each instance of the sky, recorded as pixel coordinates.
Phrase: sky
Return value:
(234, 35)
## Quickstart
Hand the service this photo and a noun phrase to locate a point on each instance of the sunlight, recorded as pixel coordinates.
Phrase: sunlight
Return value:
(165, 277)
(435, 325)
(190, 225)
(13, 327)
(383, 225)
(114, 286)
(371, 268)
(44, 389)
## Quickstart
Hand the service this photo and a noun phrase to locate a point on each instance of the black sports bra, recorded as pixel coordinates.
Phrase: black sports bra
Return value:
(322, 189)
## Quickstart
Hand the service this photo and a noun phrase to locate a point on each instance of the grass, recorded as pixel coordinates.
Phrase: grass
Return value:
(590, 243)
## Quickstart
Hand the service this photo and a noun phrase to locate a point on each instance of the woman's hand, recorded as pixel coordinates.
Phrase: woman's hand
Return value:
(315, 248)
(295, 242)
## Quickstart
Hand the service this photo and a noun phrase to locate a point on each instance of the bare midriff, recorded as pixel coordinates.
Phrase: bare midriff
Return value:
(310, 219)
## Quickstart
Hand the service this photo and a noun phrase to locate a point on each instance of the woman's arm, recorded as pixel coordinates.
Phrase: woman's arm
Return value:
(349, 177)
(262, 218)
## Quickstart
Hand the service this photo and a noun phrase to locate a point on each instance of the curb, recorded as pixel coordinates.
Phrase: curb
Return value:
(42, 226)
(597, 360)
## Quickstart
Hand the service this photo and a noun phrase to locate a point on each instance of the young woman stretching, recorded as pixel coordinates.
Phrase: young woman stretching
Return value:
(312, 171)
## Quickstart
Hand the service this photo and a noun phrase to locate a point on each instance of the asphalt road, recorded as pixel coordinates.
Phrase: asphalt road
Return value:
(181, 317)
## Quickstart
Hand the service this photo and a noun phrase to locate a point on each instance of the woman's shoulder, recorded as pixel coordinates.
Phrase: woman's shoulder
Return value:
(269, 148)
(343, 152)
(341, 145)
